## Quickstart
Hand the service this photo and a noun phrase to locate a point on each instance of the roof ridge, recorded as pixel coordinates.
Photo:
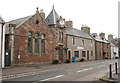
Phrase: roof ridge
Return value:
(20, 18)
(1, 19)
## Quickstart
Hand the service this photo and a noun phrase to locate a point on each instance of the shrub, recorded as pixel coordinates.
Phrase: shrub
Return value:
(82, 59)
(106, 57)
(67, 61)
(55, 62)
(116, 57)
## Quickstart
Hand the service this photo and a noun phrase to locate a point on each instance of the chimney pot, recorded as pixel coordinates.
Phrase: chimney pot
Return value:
(86, 29)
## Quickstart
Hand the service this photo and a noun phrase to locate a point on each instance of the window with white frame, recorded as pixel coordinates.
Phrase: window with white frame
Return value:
(83, 42)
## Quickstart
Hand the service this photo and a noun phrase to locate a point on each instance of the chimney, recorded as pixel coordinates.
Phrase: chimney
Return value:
(94, 35)
(110, 37)
(42, 14)
(12, 29)
(69, 24)
(86, 29)
(102, 35)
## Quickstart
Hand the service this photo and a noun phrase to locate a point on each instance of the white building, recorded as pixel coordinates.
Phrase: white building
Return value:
(2, 41)
(114, 51)
(114, 47)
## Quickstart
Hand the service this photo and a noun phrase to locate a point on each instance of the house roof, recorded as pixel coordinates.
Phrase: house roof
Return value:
(76, 32)
(52, 17)
(98, 38)
(18, 22)
(1, 20)
(112, 44)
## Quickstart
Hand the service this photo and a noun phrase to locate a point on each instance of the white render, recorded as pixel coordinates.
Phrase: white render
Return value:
(114, 49)
(2, 44)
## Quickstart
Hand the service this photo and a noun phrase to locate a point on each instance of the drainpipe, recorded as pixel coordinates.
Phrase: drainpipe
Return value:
(12, 35)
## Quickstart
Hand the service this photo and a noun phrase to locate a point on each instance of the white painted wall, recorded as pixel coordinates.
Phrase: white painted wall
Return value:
(114, 49)
(2, 45)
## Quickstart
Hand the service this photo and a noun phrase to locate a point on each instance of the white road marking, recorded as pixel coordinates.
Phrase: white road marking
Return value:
(52, 78)
(99, 66)
(83, 70)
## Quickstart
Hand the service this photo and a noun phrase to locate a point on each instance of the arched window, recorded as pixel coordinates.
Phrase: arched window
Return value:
(59, 36)
(30, 42)
(36, 43)
(43, 43)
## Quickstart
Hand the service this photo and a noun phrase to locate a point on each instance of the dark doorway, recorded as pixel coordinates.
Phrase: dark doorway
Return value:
(87, 54)
(69, 54)
(60, 54)
(7, 57)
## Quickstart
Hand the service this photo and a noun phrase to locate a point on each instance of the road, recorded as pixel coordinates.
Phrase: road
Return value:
(79, 71)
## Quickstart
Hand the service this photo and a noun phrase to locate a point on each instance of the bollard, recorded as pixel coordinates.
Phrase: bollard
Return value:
(116, 68)
(110, 71)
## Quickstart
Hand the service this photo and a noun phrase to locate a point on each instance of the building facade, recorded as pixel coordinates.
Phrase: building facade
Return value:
(102, 47)
(57, 25)
(28, 41)
(113, 47)
(80, 44)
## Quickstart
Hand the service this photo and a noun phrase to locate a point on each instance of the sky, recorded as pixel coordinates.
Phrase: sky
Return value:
(99, 15)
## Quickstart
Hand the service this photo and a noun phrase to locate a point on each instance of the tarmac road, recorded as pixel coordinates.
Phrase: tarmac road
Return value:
(79, 71)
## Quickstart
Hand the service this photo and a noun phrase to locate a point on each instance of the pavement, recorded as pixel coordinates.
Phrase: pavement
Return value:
(115, 78)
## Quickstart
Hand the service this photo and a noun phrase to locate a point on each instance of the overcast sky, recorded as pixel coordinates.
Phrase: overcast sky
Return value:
(99, 15)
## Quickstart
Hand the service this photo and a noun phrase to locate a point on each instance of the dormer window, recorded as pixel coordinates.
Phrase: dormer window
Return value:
(37, 23)
(94, 36)
(102, 38)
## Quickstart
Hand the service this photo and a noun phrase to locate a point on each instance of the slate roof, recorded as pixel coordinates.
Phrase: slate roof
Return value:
(111, 43)
(18, 22)
(97, 38)
(52, 17)
(78, 33)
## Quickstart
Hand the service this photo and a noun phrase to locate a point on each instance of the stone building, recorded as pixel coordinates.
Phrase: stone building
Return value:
(28, 40)
(102, 46)
(79, 43)
(57, 25)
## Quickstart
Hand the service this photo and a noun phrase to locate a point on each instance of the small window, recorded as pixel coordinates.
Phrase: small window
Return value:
(83, 54)
(62, 35)
(37, 23)
(59, 36)
(91, 43)
(76, 53)
(91, 53)
(73, 40)
(83, 42)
